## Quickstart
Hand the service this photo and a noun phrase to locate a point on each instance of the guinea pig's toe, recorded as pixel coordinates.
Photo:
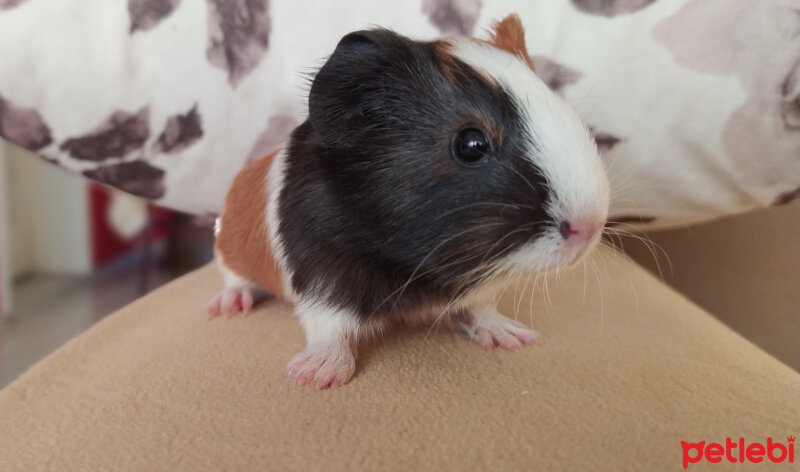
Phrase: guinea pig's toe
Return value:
(234, 300)
(523, 334)
(484, 338)
(231, 302)
(246, 300)
(491, 340)
(507, 341)
(214, 309)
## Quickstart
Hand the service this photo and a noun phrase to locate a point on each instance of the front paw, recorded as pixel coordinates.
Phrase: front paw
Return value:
(323, 366)
(492, 330)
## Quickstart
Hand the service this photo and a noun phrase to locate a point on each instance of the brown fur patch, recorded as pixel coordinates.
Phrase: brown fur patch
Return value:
(446, 60)
(243, 240)
(494, 130)
(509, 35)
(453, 70)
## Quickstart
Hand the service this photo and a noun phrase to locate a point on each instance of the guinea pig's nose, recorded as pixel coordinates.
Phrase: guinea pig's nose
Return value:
(578, 230)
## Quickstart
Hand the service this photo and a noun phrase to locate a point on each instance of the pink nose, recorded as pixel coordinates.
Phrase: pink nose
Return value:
(578, 231)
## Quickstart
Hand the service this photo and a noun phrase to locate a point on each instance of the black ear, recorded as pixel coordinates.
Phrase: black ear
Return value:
(347, 89)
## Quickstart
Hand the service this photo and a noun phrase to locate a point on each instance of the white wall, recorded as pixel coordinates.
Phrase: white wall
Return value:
(5, 259)
(21, 206)
(49, 217)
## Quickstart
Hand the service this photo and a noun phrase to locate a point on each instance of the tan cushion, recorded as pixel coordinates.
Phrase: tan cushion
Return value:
(626, 370)
(744, 270)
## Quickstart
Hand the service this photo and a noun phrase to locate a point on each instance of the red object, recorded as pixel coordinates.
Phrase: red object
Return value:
(107, 246)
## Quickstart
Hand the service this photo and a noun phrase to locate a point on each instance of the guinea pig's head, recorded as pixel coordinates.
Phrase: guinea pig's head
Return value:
(456, 161)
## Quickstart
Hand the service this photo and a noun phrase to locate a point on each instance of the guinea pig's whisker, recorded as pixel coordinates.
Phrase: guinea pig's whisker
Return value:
(513, 275)
(533, 189)
(651, 245)
(400, 290)
(628, 276)
(511, 233)
(528, 207)
(445, 311)
(601, 294)
(584, 265)
(481, 271)
(469, 256)
(518, 301)
(533, 293)
(606, 255)
(472, 205)
(547, 299)
(481, 267)
(459, 294)
(614, 238)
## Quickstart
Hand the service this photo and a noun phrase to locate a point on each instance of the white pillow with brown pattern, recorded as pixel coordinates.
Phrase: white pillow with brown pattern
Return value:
(694, 103)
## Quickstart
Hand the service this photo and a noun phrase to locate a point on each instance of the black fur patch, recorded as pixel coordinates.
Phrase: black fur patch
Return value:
(376, 215)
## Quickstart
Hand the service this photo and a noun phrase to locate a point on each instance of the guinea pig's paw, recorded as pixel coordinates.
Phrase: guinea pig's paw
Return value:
(231, 301)
(323, 365)
(491, 330)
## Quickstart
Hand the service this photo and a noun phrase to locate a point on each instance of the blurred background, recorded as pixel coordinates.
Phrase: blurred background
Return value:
(74, 251)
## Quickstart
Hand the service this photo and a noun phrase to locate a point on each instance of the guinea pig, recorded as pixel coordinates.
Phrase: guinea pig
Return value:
(425, 174)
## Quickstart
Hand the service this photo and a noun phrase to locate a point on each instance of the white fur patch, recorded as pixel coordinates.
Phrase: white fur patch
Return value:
(324, 324)
(563, 150)
(229, 278)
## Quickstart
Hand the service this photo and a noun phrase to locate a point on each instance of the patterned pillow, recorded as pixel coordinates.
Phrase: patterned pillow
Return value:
(694, 103)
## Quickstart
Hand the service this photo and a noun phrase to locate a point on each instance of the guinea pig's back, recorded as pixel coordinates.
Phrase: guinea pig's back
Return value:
(243, 244)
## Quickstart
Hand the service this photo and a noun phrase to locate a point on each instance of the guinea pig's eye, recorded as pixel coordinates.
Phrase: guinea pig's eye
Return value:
(471, 146)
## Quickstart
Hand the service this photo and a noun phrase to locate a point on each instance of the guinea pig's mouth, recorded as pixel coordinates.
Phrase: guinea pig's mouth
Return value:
(560, 246)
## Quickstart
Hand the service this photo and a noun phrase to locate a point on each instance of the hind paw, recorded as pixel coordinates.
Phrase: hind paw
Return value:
(232, 301)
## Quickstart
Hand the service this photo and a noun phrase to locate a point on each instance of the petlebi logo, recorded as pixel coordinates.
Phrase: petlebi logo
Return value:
(739, 451)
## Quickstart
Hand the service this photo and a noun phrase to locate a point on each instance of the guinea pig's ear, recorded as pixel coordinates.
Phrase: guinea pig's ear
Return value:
(509, 34)
(344, 90)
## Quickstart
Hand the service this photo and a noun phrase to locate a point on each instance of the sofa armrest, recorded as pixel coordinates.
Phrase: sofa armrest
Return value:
(627, 369)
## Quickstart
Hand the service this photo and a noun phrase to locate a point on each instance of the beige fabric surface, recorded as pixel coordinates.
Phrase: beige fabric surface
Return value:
(622, 376)
(745, 270)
